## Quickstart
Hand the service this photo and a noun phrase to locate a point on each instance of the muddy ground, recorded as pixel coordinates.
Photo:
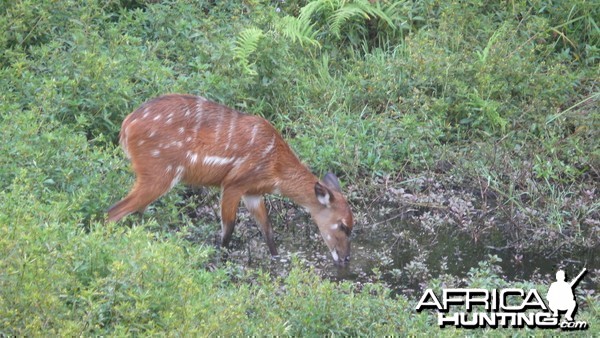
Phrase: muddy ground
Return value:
(409, 230)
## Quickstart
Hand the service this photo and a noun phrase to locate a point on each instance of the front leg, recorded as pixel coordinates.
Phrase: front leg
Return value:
(256, 205)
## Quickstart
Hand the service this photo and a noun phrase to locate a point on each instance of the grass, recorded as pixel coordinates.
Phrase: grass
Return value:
(497, 98)
(61, 277)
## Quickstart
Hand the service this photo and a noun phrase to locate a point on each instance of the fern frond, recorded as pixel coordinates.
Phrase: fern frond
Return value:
(361, 8)
(378, 12)
(246, 44)
(312, 8)
(343, 14)
(299, 30)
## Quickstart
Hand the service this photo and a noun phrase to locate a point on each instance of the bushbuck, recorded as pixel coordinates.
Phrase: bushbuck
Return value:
(183, 138)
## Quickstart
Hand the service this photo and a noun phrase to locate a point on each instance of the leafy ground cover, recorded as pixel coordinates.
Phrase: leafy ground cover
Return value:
(500, 99)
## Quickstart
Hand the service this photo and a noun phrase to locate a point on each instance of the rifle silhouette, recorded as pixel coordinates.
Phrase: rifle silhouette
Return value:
(576, 279)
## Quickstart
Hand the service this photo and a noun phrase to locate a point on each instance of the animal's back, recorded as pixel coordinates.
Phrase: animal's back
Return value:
(200, 142)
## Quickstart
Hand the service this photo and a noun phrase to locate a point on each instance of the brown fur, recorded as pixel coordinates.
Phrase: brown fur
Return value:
(183, 138)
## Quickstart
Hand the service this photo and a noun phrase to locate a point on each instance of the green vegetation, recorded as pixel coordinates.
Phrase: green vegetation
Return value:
(502, 95)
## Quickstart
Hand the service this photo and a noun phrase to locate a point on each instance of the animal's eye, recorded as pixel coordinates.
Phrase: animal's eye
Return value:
(342, 226)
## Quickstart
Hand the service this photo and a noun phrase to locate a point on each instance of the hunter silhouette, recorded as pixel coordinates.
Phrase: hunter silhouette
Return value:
(560, 295)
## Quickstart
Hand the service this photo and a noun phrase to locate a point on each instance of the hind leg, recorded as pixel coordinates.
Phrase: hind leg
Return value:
(145, 191)
(230, 199)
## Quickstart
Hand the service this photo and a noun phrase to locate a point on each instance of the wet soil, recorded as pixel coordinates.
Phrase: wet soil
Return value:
(406, 236)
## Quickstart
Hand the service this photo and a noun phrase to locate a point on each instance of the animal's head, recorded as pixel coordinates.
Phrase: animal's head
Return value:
(334, 218)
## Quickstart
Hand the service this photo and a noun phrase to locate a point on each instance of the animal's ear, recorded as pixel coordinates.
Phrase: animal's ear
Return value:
(324, 195)
(332, 182)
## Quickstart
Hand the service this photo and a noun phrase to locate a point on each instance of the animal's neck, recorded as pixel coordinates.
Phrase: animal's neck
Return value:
(298, 184)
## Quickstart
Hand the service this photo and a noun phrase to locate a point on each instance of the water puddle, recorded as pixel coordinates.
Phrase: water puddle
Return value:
(404, 255)
(403, 251)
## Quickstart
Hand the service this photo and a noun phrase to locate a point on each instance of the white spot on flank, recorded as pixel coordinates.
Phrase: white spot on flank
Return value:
(140, 142)
(268, 149)
(218, 127)
(199, 112)
(192, 157)
(169, 168)
(177, 177)
(254, 132)
(232, 123)
(217, 160)
(157, 117)
(238, 163)
(169, 120)
(328, 237)
(155, 153)
(188, 139)
(252, 202)
(334, 226)
(124, 144)
(152, 133)
(146, 112)
(196, 128)
(181, 130)
(187, 112)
